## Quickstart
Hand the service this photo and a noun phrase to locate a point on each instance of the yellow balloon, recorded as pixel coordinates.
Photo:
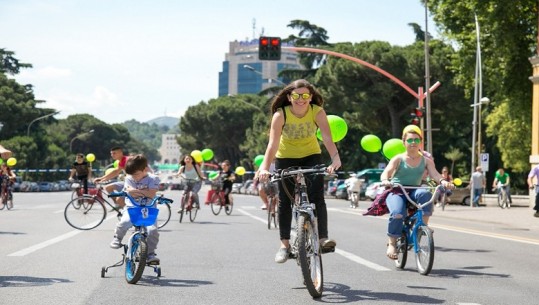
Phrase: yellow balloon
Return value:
(90, 157)
(457, 181)
(240, 170)
(197, 155)
(11, 161)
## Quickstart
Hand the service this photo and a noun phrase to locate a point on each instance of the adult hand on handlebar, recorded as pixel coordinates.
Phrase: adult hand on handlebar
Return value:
(448, 185)
(263, 175)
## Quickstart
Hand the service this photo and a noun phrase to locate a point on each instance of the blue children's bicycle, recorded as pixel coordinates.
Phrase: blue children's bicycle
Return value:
(142, 215)
(416, 234)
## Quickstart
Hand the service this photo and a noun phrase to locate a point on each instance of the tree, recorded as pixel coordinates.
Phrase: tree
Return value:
(508, 39)
(453, 154)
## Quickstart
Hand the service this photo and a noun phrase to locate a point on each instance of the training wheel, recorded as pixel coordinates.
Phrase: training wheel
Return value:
(103, 271)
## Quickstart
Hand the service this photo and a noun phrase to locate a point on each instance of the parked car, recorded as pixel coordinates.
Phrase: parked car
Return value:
(369, 176)
(17, 184)
(333, 185)
(342, 192)
(236, 188)
(45, 186)
(460, 194)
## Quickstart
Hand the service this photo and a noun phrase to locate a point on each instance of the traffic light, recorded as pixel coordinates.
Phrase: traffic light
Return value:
(269, 48)
(417, 115)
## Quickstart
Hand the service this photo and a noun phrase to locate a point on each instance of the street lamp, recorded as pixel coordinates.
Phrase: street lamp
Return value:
(258, 72)
(77, 136)
(40, 118)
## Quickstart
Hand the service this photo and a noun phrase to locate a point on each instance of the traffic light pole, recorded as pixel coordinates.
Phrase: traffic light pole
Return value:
(419, 95)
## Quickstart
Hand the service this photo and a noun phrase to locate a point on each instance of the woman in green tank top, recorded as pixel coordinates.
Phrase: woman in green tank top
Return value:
(408, 169)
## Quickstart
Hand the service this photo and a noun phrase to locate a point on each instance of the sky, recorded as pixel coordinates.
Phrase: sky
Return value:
(120, 60)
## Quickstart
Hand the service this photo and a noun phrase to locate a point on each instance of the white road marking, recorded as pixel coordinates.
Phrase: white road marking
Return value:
(343, 253)
(44, 244)
(50, 242)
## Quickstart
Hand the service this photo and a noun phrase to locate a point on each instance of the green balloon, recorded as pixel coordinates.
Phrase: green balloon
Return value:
(259, 159)
(207, 154)
(337, 126)
(212, 174)
(371, 143)
(393, 147)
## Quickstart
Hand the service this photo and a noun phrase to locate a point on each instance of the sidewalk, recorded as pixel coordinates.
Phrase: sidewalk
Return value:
(520, 215)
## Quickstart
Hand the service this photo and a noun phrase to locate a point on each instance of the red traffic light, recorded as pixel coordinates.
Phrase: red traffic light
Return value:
(264, 41)
(415, 121)
(418, 112)
(275, 42)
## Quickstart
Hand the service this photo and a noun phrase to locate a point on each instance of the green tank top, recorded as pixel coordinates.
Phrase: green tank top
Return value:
(408, 175)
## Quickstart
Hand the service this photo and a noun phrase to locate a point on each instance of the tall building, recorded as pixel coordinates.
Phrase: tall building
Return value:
(170, 149)
(244, 73)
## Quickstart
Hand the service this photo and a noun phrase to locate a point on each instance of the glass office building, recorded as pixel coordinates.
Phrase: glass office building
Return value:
(243, 73)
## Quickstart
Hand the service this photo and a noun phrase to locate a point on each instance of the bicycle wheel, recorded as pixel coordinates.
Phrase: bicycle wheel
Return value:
(424, 256)
(3, 201)
(215, 202)
(10, 202)
(135, 260)
(402, 251)
(228, 209)
(309, 261)
(504, 199)
(192, 210)
(183, 204)
(85, 213)
(164, 214)
(499, 197)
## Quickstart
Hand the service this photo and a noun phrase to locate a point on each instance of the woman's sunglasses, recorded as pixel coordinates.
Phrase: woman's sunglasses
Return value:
(295, 96)
(416, 141)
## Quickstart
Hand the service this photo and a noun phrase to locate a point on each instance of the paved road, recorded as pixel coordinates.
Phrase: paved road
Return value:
(483, 256)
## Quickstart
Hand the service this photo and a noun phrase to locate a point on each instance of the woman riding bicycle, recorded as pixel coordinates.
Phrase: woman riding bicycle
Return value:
(297, 113)
(7, 174)
(227, 176)
(191, 171)
(408, 169)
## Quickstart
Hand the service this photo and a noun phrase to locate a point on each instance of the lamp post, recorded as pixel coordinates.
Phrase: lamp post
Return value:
(77, 136)
(260, 73)
(40, 118)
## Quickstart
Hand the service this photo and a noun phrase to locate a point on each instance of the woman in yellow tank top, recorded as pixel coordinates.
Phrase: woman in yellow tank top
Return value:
(297, 114)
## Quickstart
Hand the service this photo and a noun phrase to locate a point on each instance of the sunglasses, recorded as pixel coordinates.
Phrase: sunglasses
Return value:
(416, 141)
(295, 96)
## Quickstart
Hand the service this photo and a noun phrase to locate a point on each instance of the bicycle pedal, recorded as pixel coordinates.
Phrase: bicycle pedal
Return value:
(292, 255)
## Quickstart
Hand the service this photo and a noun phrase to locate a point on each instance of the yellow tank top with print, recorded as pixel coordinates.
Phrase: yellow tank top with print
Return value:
(298, 138)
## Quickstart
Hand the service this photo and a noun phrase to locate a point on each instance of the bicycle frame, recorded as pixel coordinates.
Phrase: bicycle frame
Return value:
(137, 243)
(412, 225)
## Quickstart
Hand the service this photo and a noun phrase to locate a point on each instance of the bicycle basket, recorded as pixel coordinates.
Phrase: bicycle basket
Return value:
(143, 216)
(216, 185)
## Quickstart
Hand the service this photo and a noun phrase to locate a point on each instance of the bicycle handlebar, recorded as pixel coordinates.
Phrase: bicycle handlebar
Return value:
(438, 189)
(159, 198)
(293, 171)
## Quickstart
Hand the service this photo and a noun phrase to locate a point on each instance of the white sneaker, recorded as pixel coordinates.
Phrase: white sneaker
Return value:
(152, 259)
(116, 243)
(282, 255)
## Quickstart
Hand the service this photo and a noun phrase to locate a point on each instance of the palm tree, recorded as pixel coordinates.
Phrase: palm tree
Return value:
(454, 154)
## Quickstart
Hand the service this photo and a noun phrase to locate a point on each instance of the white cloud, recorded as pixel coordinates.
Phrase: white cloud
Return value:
(42, 74)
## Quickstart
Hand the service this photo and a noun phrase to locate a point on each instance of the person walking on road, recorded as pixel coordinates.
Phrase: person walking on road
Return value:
(534, 173)
(478, 184)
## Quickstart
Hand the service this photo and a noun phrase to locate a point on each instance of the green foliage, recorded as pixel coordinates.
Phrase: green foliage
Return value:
(508, 31)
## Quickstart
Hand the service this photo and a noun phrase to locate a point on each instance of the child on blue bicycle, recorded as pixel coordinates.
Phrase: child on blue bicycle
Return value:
(138, 184)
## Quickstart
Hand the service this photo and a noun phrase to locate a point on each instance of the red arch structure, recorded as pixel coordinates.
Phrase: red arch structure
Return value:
(419, 95)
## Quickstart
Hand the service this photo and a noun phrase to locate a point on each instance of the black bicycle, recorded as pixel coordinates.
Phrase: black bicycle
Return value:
(306, 245)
